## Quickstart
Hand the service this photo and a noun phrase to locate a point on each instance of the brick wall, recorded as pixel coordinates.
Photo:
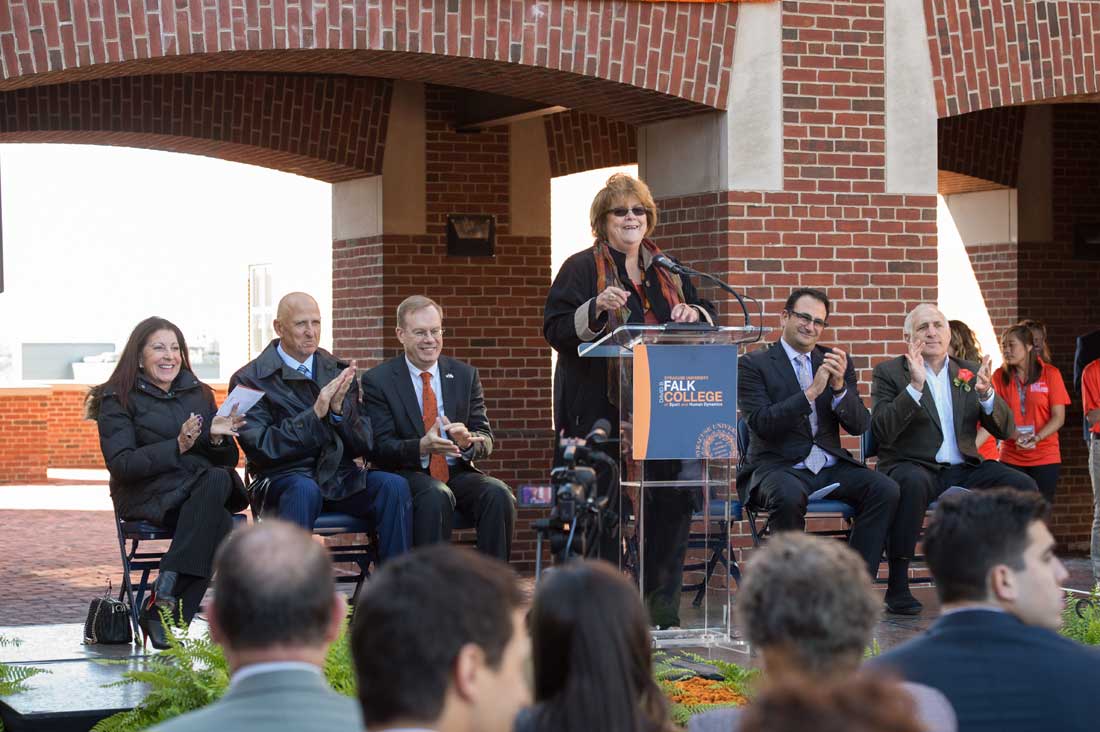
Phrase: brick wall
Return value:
(992, 53)
(996, 270)
(23, 423)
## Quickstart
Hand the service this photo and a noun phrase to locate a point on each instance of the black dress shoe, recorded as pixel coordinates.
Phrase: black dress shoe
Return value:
(904, 606)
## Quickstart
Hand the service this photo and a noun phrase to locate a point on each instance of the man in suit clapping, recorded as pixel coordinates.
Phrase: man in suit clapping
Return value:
(795, 396)
(430, 425)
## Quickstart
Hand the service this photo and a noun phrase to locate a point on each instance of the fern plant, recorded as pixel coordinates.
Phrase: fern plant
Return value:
(13, 678)
(1081, 619)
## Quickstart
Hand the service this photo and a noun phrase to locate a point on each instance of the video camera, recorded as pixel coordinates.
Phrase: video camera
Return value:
(580, 515)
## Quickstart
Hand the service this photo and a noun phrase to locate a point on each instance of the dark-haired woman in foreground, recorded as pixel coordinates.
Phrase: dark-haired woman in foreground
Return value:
(592, 653)
(172, 462)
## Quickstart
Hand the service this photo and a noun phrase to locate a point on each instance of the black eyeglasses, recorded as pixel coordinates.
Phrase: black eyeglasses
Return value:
(638, 211)
(809, 319)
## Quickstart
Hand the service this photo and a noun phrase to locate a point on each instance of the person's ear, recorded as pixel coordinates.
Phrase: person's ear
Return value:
(1002, 584)
(278, 327)
(336, 618)
(467, 668)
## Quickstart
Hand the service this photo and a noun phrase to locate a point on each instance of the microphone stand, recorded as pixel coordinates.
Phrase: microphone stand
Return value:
(684, 269)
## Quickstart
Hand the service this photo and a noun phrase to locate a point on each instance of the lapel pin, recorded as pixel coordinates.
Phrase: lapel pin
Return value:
(449, 376)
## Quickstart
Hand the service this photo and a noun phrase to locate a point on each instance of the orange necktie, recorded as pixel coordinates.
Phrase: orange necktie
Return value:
(437, 466)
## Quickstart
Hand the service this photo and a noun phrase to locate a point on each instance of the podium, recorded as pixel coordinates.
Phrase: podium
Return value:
(677, 456)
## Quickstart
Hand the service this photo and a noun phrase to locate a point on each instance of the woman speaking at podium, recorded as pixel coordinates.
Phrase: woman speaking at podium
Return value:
(614, 282)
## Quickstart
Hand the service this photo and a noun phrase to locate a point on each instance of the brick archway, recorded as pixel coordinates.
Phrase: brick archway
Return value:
(647, 62)
(994, 53)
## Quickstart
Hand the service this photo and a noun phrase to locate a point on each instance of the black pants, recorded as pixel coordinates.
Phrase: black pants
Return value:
(920, 486)
(668, 512)
(784, 494)
(486, 501)
(1045, 476)
(199, 523)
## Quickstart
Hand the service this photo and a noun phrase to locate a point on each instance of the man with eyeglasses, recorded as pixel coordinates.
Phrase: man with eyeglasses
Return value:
(428, 413)
(926, 409)
(794, 397)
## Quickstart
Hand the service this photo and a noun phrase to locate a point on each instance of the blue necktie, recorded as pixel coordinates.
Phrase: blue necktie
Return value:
(303, 370)
(817, 458)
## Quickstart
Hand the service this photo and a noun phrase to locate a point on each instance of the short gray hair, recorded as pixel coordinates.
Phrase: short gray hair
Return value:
(907, 328)
(415, 303)
(810, 597)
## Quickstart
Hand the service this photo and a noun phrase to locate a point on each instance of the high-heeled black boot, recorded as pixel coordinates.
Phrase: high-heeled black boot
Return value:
(161, 598)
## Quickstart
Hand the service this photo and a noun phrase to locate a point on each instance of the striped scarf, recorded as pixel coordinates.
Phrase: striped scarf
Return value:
(607, 273)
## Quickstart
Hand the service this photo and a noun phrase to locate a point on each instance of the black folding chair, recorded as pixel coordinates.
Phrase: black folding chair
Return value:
(717, 543)
(360, 554)
(820, 508)
(144, 560)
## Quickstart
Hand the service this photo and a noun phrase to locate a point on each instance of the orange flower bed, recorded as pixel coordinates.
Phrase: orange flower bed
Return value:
(697, 690)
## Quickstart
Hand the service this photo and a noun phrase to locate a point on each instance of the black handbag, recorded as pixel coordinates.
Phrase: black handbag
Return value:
(108, 621)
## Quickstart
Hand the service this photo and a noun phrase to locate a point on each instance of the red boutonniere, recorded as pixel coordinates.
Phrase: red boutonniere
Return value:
(963, 379)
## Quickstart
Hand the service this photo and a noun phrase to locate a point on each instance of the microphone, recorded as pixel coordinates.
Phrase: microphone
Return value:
(671, 265)
(666, 262)
(599, 431)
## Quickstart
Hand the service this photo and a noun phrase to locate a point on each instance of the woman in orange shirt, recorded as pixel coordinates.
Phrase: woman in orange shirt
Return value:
(1035, 392)
(964, 345)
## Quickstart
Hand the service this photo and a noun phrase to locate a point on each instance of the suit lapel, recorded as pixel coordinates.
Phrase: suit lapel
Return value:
(450, 390)
(927, 400)
(958, 397)
(784, 366)
(402, 382)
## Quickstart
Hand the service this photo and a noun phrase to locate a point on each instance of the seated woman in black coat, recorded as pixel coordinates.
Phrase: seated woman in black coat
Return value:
(592, 654)
(172, 462)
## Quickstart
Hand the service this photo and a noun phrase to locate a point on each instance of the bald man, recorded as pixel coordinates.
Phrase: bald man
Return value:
(925, 410)
(303, 437)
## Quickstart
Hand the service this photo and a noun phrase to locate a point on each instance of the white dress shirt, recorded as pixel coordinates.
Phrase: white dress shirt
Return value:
(940, 386)
(437, 387)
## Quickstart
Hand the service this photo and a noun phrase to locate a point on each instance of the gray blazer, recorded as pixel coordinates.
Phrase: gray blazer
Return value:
(933, 710)
(293, 700)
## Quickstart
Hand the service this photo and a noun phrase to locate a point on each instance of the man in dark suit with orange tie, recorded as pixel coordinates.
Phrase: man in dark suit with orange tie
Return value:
(430, 425)
(795, 396)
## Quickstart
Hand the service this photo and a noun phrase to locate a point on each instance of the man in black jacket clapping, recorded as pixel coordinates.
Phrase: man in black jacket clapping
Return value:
(304, 435)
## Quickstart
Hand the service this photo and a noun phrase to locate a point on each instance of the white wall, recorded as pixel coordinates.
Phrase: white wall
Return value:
(97, 238)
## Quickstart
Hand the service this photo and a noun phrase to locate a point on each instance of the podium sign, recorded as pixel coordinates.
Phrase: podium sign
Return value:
(685, 403)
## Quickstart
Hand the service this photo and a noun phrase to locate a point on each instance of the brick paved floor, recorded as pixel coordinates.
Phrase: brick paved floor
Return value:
(52, 563)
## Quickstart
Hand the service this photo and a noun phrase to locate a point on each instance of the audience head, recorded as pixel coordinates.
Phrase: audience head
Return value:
(155, 349)
(807, 604)
(992, 547)
(964, 343)
(1020, 354)
(621, 191)
(420, 330)
(298, 325)
(853, 704)
(592, 652)
(274, 596)
(439, 641)
(926, 324)
(1038, 336)
(804, 318)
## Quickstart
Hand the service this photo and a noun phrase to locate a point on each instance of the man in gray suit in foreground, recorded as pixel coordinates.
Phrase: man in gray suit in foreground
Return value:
(275, 613)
